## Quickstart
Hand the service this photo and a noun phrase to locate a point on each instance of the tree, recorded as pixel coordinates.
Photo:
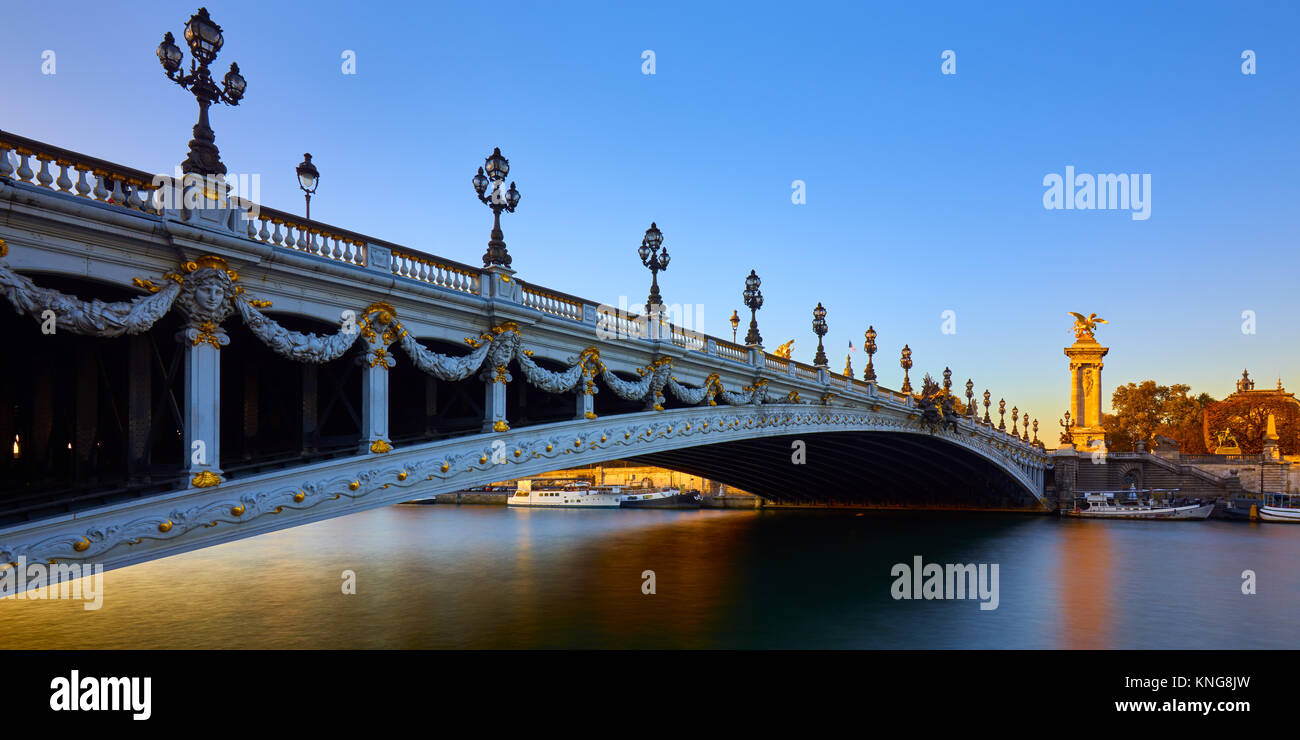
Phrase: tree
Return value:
(1143, 410)
(1247, 418)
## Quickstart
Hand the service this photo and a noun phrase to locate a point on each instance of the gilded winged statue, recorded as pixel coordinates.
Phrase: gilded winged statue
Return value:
(1084, 326)
(785, 350)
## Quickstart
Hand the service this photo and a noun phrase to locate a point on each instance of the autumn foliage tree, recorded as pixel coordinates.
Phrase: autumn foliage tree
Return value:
(1247, 418)
(1143, 410)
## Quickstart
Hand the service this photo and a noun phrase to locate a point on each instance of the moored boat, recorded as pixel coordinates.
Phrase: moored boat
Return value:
(1239, 509)
(682, 500)
(1280, 507)
(581, 494)
(1137, 504)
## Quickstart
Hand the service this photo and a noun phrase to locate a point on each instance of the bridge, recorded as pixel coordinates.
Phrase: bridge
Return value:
(185, 371)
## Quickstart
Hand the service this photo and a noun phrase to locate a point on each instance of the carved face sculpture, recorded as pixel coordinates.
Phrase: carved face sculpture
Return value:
(207, 295)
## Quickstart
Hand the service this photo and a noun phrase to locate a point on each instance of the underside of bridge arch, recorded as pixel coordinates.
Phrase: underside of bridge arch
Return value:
(870, 469)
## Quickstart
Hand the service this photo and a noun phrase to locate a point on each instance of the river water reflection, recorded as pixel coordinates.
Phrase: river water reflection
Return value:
(491, 577)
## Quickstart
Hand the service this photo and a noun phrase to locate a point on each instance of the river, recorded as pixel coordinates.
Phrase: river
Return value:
(448, 576)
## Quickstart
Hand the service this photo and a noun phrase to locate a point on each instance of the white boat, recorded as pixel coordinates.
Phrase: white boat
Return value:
(1280, 507)
(1135, 504)
(581, 494)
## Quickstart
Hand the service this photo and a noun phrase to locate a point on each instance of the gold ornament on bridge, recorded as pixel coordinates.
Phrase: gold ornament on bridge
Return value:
(205, 479)
(906, 364)
(1036, 442)
(1015, 415)
(1024, 435)
(784, 351)
(1084, 326)
(1002, 415)
(987, 403)
(848, 364)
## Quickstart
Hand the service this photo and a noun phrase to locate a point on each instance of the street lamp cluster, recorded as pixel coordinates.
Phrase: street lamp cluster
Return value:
(205, 41)
(655, 260)
(753, 298)
(497, 167)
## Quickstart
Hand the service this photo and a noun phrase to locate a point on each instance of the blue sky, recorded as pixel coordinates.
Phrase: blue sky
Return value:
(924, 191)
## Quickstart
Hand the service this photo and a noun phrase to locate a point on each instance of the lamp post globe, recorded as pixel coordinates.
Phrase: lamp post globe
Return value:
(308, 179)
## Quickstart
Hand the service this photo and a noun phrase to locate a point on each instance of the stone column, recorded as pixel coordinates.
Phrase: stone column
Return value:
(586, 404)
(494, 399)
(1065, 462)
(1085, 390)
(374, 405)
(379, 329)
(202, 409)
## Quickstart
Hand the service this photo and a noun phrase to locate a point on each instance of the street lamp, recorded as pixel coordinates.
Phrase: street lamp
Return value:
(497, 168)
(754, 300)
(652, 258)
(869, 374)
(819, 327)
(308, 179)
(205, 40)
(735, 325)
(906, 363)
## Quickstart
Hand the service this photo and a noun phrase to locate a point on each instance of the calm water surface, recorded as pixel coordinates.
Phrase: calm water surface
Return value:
(491, 577)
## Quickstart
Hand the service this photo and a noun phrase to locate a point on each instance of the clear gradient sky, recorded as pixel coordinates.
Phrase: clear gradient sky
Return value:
(924, 191)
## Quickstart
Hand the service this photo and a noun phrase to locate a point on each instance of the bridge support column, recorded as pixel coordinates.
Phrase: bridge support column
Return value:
(374, 406)
(1065, 464)
(586, 406)
(202, 410)
(379, 329)
(494, 404)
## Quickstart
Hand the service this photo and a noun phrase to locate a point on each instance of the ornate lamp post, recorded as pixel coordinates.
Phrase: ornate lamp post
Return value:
(947, 382)
(735, 324)
(308, 179)
(1024, 433)
(970, 399)
(869, 374)
(1067, 438)
(906, 364)
(204, 39)
(1002, 415)
(987, 396)
(1015, 417)
(819, 327)
(497, 168)
(652, 258)
(754, 300)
